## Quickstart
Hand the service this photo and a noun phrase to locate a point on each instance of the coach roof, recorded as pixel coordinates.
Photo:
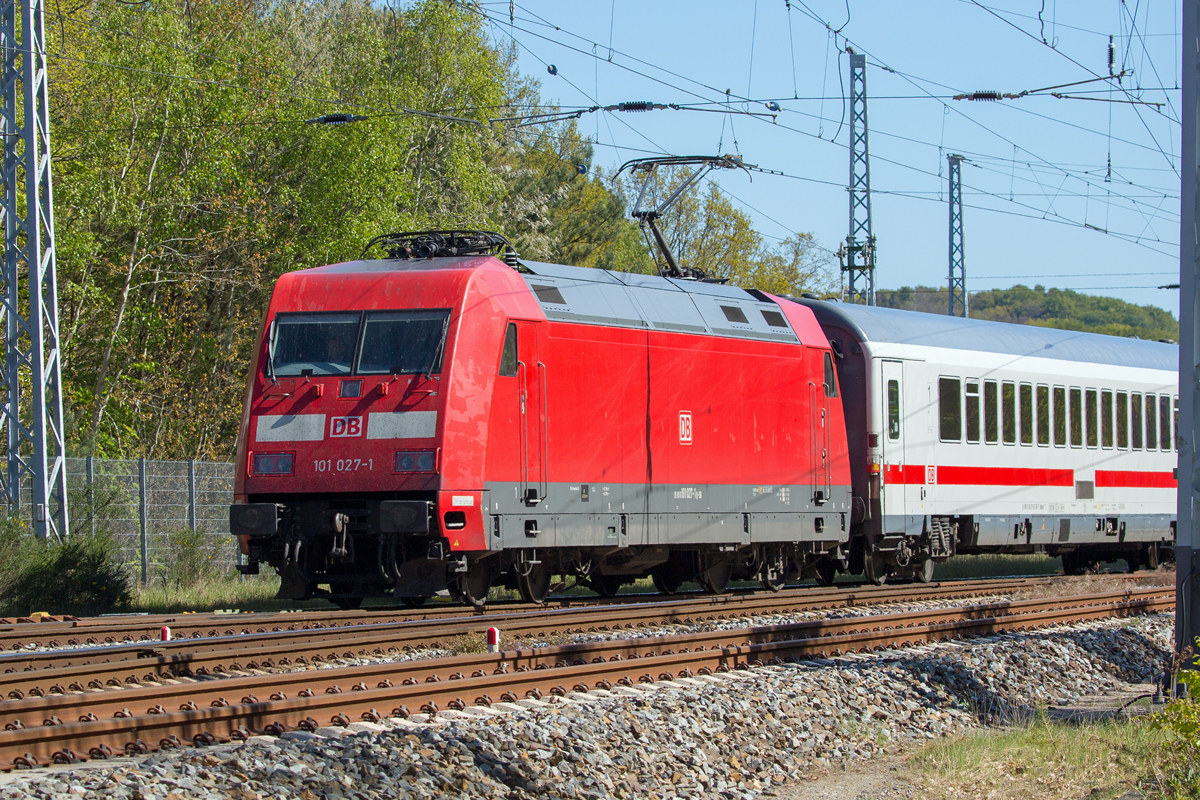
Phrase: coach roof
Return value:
(895, 326)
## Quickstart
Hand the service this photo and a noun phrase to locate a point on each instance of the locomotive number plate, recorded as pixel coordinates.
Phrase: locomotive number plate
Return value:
(343, 464)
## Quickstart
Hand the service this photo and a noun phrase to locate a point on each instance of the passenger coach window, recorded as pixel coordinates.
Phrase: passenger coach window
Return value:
(1135, 424)
(508, 358)
(1123, 420)
(1076, 418)
(1106, 418)
(991, 413)
(1176, 425)
(1009, 395)
(893, 410)
(830, 378)
(973, 411)
(396, 342)
(1090, 404)
(950, 408)
(1060, 416)
(1043, 415)
(1151, 424)
(1164, 422)
(1026, 414)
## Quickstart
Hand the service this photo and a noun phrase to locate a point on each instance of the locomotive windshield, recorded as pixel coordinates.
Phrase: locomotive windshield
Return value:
(378, 342)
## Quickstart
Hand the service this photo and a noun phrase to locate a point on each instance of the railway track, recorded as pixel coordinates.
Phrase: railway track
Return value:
(77, 670)
(69, 727)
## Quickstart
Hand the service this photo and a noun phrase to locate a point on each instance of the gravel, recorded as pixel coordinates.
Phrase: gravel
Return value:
(734, 735)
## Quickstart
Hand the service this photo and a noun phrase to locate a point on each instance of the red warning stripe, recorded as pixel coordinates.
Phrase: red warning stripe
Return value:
(1130, 479)
(980, 476)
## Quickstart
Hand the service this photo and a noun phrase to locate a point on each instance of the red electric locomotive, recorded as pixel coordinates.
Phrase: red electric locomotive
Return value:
(450, 417)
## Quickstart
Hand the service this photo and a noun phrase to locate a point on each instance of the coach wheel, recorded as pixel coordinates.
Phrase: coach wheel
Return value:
(413, 602)
(607, 585)
(665, 580)
(715, 579)
(923, 571)
(471, 587)
(1150, 556)
(876, 570)
(534, 585)
(826, 572)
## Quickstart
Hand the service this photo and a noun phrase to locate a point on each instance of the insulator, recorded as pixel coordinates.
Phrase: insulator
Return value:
(990, 96)
(1111, 55)
(553, 70)
(637, 105)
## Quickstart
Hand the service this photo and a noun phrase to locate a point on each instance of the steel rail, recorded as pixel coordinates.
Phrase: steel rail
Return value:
(36, 710)
(143, 733)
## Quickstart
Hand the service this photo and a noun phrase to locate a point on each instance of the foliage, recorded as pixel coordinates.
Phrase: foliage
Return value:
(82, 576)
(1052, 308)
(187, 558)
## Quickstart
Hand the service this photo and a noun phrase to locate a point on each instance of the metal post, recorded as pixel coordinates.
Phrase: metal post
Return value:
(91, 492)
(1187, 537)
(857, 254)
(192, 494)
(958, 264)
(142, 514)
(33, 432)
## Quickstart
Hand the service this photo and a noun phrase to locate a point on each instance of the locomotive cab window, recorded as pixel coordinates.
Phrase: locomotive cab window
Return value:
(830, 377)
(991, 413)
(1106, 419)
(1135, 423)
(1151, 423)
(313, 344)
(1009, 394)
(1093, 436)
(1043, 415)
(1123, 420)
(1026, 414)
(1060, 416)
(973, 412)
(1164, 422)
(950, 409)
(893, 410)
(508, 356)
(1076, 417)
(399, 342)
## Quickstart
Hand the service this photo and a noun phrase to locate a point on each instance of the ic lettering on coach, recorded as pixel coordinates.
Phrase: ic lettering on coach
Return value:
(345, 427)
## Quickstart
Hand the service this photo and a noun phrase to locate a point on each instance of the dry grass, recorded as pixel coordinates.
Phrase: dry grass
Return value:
(1046, 759)
(995, 565)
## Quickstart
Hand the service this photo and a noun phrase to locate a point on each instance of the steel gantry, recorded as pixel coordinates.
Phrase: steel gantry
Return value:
(857, 254)
(31, 414)
(958, 264)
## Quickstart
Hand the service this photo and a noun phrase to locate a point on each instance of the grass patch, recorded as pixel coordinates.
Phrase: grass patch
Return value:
(995, 565)
(1047, 759)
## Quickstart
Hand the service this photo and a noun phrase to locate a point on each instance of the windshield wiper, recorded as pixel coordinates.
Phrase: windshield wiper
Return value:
(270, 369)
(437, 354)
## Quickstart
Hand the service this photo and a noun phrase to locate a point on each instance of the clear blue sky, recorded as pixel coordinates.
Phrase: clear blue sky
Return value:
(1040, 157)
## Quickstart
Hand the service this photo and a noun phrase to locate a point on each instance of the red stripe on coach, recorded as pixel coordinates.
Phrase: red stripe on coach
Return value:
(1004, 476)
(1131, 479)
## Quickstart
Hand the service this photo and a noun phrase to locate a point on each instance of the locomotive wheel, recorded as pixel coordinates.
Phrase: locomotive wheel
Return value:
(534, 586)
(923, 573)
(716, 578)
(665, 581)
(344, 603)
(607, 585)
(876, 569)
(413, 602)
(471, 587)
(826, 572)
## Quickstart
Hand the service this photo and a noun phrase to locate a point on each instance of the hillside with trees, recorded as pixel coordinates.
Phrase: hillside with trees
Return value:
(1051, 308)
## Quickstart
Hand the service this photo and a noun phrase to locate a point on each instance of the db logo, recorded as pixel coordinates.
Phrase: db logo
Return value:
(931, 475)
(685, 427)
(341, 427)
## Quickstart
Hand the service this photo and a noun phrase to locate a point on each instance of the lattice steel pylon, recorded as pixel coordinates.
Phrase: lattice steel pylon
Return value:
(857, 253)
(958, 264)
(33, 428)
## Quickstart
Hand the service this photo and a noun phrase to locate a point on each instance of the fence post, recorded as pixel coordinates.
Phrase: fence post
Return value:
(192, 493)
(142, 521)
(91, 492)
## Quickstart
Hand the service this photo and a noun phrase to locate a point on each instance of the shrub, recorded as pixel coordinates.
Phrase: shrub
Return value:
(84, 575)
(187, 558)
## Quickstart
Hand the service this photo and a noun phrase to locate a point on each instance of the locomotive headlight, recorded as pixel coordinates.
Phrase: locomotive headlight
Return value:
(416, 461)
(274, 463)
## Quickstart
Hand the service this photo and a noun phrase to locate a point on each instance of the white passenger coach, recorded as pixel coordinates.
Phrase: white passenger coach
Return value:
(970, 436)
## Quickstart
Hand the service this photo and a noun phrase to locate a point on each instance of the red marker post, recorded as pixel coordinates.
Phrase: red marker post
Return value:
(166, 633)
(493, 640)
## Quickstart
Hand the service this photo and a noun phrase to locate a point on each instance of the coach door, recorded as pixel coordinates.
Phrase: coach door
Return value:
(893, 489)
(531, 375)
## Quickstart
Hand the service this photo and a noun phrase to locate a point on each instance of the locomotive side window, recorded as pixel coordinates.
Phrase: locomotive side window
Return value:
(1043, 415)
(398, 342)
(950, 409)
(1090, 405)
(1151, 424)
(1106, 417)
(1164, 422)
(830, 377)
(1123, 420)
(1136, 424)
(893, 410)
(1009, 395)
(508, 357)
(314, 344)
(1076, 417)
(973, 411)
(991, 413)
(1060, 416)
(1026, 414)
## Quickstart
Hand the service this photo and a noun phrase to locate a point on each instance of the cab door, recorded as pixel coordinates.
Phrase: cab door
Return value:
(531, 378)
(894, 473)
